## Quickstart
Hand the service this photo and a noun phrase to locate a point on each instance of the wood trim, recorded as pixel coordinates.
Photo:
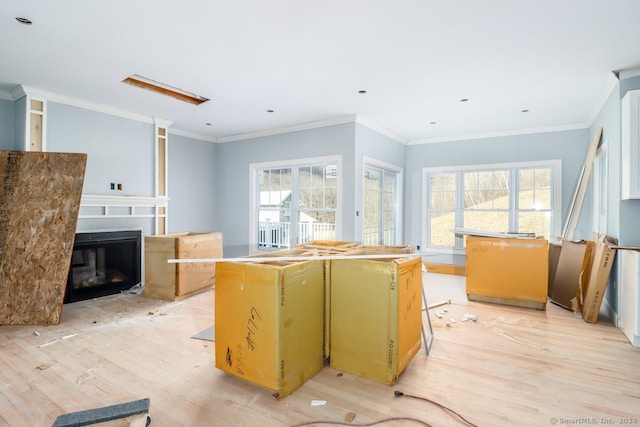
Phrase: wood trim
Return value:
(456, 270)
(161, 178)
(35, 135)
(163, 89)
(35, 124)
(581, 189)
(162, 153)
(89, 203)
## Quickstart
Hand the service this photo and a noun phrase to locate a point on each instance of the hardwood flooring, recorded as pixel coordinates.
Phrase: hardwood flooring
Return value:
(513, 367)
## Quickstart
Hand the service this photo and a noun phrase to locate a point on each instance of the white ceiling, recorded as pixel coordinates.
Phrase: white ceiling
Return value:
(307, 60)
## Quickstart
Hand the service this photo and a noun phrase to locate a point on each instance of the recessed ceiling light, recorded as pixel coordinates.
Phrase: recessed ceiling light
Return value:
(432, 123)
(164, 89)
(362, 92)
(269, 111)
(524, 111)
(208, 124)
(24, 21)
(464, 100)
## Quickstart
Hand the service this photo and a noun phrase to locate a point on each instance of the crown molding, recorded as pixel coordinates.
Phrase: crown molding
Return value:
(609, 86)
(351, 118)
(381, 130)
(576, 126)
(18, 92)
(162, 122)
(6, 95)
(75, 102)
(192, 135)
(627, 74)
(286, 129)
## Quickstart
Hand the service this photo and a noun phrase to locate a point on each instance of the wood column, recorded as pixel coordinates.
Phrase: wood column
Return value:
(161, 178)
(35, 124)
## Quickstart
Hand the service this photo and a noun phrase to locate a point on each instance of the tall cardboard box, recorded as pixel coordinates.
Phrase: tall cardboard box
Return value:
(269, 320)
(508, 271)
(317, 248)
(176, 281)
(571, 274)
(376, 316)
(353, 251)
(593, 293)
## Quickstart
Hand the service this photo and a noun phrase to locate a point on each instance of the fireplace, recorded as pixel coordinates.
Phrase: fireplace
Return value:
(103, 263)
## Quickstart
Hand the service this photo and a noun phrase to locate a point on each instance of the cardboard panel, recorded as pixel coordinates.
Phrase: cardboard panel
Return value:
(572, 272)
(39, 204)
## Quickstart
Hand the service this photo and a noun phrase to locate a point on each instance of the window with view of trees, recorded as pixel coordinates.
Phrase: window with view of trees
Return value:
(295, 203)
(498, 198)
(381, 208)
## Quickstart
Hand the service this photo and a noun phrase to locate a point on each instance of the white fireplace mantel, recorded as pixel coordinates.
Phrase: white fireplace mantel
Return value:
(98, 206)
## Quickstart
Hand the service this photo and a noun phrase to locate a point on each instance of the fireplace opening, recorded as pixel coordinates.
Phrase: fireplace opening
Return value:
(103, 263)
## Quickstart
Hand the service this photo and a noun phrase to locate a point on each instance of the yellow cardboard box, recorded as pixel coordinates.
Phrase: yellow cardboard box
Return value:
(508, 271)
(176, 281)
(269, 321)
(376, 316)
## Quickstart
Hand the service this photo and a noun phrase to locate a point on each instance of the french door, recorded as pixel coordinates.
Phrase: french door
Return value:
(381, 207)
(296, 204)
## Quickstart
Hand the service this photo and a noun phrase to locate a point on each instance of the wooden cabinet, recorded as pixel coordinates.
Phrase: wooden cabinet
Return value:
(175, 281)
(631, 145)
(630, 296)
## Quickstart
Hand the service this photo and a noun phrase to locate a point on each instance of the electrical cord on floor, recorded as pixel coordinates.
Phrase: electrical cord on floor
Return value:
(398, 393)
(373, 423)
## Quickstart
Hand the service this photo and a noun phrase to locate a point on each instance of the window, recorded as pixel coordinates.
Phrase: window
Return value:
(499, 198)
(381, 207)
(294, 202)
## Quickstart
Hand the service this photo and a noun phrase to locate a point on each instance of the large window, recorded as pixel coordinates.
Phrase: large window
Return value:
(523, 198)
(295, 202)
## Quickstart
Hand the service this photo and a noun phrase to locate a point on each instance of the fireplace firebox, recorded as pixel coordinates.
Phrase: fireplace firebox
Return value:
(103, 263)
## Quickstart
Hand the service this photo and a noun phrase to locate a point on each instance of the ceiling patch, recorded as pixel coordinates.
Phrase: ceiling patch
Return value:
(164, 89)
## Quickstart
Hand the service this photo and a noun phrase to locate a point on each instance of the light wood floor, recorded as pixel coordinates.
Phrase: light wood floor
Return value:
(514, 366)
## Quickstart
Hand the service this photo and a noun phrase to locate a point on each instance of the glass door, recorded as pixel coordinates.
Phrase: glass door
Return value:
(381, 202)
(296, 204)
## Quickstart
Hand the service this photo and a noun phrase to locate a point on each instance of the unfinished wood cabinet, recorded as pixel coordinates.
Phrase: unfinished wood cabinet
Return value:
(631, 145)
(175, 281)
